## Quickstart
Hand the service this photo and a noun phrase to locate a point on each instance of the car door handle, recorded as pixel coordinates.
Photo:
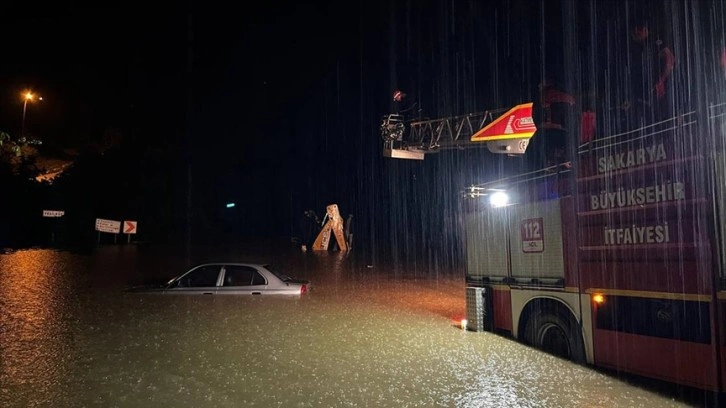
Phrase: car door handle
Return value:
(207, 293)
(256, 293)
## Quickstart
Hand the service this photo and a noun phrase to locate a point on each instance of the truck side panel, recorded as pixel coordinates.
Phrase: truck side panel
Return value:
(644, 225)
(535, 231)
(486, 243)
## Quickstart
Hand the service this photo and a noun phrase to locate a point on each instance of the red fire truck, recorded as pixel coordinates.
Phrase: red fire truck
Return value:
(617, 257)
(615, 260)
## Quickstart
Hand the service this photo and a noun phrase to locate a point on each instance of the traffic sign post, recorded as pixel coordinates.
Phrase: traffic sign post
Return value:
(129, 228)
(116, 227)
(108, 226)
(55, 214)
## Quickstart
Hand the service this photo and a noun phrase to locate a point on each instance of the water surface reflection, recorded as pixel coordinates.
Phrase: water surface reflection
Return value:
(366, 336)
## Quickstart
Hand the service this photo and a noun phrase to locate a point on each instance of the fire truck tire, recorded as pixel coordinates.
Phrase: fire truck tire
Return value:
(556, 334)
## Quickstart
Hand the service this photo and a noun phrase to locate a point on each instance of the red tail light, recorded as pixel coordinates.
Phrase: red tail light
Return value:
(303, 289)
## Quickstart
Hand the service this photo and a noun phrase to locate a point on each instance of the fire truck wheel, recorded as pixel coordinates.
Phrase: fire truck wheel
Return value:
(555, 334)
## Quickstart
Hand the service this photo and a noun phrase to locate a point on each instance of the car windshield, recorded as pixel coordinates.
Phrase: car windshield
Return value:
(277, 273)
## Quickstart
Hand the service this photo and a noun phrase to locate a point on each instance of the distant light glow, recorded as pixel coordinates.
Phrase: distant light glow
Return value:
(463, 324)
(499, 199)
(230, 205)
(598, 298)
(29, 96)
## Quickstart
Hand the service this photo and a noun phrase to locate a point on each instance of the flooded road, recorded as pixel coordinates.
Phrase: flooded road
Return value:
(366, 336)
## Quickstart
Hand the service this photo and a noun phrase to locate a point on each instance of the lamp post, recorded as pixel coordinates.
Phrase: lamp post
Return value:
(27, 96)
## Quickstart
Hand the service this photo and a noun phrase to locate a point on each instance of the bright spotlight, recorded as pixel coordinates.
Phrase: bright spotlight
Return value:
(499, 199)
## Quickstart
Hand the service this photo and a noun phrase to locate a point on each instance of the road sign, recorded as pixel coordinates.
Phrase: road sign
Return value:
(129, 227)
(53, 213)
(113, 227)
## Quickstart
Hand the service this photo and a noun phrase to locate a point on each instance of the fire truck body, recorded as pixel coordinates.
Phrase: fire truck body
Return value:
(614, 261)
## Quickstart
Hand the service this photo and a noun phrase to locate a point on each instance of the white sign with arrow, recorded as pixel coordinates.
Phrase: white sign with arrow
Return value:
(129, 227)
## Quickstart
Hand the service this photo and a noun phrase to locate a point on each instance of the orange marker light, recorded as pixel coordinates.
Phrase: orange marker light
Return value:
(598, 298)
(459, 322)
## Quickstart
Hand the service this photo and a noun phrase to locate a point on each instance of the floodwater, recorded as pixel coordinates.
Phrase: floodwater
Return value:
(366, 336)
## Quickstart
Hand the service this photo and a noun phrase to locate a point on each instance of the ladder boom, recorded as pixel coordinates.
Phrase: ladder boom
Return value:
(507, 133)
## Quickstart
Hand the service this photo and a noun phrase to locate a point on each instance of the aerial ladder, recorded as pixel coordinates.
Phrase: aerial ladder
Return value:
(502, 131)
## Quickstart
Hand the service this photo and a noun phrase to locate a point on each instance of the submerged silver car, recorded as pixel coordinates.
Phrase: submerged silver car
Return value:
(230, 279)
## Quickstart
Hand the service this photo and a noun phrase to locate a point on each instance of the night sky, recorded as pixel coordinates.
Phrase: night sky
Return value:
(276, 106)
(247, 96)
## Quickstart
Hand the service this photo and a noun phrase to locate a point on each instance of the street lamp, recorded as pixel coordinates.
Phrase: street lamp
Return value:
(27, 96)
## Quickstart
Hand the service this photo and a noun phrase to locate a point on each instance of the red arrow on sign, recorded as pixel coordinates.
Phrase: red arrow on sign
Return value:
(129, 227)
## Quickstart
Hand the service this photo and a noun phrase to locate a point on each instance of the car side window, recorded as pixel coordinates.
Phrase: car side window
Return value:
(258, 279)
(203, 276)
(238, 275)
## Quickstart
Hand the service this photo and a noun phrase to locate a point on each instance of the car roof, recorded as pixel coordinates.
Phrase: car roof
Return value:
(232, 263)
